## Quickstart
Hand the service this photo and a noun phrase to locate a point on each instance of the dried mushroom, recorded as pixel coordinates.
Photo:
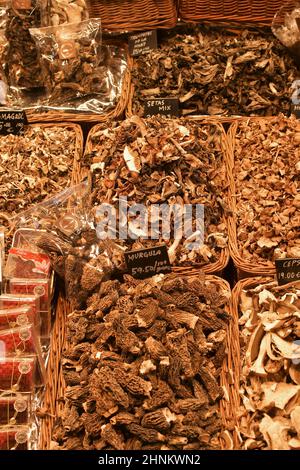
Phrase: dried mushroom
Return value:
(22, 67)
(216, 72)
(69, 56)
(266, 173)
(35, 165)
(156, 162)
(64, 11)
(137, 391)
(270, 392)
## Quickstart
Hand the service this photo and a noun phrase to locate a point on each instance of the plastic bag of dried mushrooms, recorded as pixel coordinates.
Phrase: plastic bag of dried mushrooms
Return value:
(69, 55)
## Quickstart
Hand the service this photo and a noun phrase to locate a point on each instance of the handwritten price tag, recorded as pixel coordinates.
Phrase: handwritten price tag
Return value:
(12, 122)
(148, 262)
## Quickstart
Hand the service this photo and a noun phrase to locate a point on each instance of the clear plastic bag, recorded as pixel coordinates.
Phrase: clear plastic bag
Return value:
(57, 12)
(286, 27)
(68, 237)
(69, 56)
(15, 409)
(3, 80)
(21, 66)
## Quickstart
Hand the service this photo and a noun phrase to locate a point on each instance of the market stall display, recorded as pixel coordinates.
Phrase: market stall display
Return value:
(214, 71)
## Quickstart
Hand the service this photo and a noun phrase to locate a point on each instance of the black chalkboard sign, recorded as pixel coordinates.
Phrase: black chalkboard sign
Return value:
(142, 43)
(296, 110)
(148, 262)
(168, 107)
(12, 121)
(288, 270)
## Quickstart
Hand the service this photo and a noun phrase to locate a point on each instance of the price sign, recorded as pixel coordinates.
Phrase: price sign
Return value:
(168, 107)
(142, 43)
(12, 121)
(296, 110)
(288, 270)
(148, 262)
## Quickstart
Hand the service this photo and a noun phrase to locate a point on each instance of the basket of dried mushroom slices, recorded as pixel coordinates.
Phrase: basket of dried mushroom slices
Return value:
(269, 369)
(37, 164)
(264, 162)
(218, 72)
(134, 15)
(160, 161)
(142, 367)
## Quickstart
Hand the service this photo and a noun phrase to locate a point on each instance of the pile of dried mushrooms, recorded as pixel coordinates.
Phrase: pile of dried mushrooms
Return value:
(141, 366)
(217, 73)
(34, 165)
(159, 161)
(266, 174)
(270, 382)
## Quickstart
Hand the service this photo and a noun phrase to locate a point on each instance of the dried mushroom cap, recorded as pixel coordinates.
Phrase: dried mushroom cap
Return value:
(175, 168)
(269, 387)
(266, 185)
(146, 391)
(216, 72)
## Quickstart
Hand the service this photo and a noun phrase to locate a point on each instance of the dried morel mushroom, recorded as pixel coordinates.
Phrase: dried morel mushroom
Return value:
(217, 73)
(269, 415)
(266, 173)
(128, 389)
(172, 162)
(34, 165)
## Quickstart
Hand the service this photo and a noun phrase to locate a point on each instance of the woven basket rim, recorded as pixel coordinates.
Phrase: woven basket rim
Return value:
(135, 15)
(240, 11)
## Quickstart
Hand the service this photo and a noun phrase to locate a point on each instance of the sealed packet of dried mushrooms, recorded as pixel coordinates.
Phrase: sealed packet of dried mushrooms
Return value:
(22, 67)
(69, 55)
(286, 27)
(56, 12)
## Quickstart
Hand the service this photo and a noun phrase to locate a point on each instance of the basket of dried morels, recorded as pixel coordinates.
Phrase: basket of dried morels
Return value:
(40, 162)
(165, 164)
(265, 166)
(216, 72)
(134, 15)
(140, 368)
(269, 411)
(250, 11)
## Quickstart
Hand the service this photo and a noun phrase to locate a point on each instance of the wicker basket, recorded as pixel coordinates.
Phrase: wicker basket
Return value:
(250, 11)
(244, 267)
(134, 15)
(54, 396)
(114, 113)
(234, 351)
(51, 405)
(213, 268)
